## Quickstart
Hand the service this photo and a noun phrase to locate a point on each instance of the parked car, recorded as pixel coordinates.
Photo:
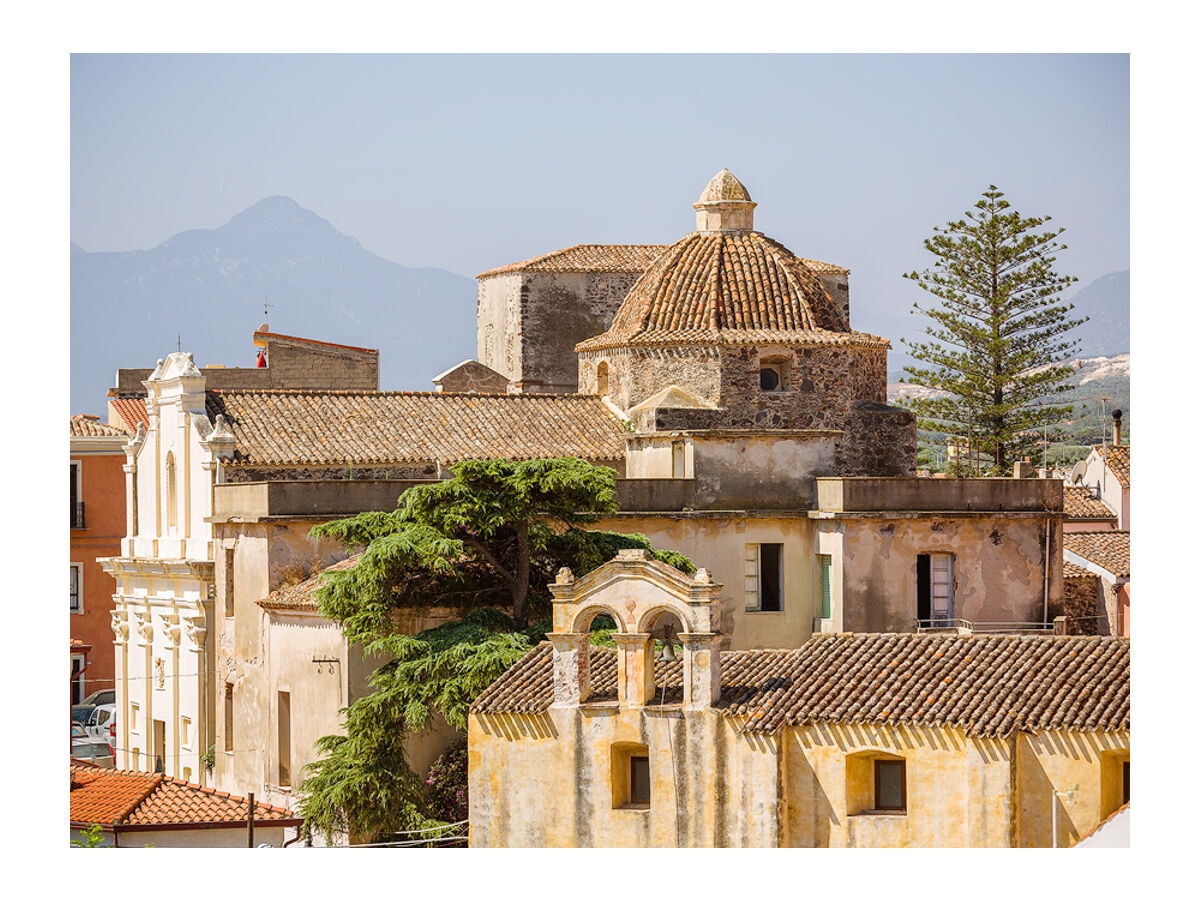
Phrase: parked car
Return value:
(102, 723)
(81, 711)
(93, 750)
(77, 731)
(100, 698)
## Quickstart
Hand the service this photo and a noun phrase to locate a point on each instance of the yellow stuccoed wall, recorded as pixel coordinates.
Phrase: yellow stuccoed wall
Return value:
(548, 782)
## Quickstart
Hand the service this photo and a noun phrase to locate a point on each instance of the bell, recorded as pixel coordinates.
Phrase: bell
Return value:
(668, 653)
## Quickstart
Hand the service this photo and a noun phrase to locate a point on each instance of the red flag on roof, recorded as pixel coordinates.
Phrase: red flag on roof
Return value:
(262, 360)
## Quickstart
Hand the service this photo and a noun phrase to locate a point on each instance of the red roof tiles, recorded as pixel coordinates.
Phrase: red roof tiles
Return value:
(587, 258)
(1079, 503)
(119, 797)
(1117, 460)
(1107, 549)
(130, 411)
(987, 685)
(91, 426)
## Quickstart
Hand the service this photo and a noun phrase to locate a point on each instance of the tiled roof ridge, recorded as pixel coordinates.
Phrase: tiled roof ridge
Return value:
(545, 258)
(363, 392)
(987, 684)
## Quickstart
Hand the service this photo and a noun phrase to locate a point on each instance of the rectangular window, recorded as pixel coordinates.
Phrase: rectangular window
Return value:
(228, 716)
(825, 563)
(76, 587)
(935, 588)
(639, 779)
(889, 785)
(285, 739)
(1125, 782)
(76, 497)
(764, 577)
(160, 745)
(185, 731)
(77, 685)
(229, 583)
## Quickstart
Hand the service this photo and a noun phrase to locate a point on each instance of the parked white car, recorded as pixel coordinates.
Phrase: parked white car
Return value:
(102, 723)
(94, 750)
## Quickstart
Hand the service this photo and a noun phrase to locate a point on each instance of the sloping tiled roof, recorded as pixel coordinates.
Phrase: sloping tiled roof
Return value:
(1078, 503)
(300, 596)
(264, 332)
(334, 428)
(91, 426)
(723, 287)
(1117, 460)
(1070, 570)
(131, 411)
(989, 685)
(1107, 549)
(587, 258)
(119, 797)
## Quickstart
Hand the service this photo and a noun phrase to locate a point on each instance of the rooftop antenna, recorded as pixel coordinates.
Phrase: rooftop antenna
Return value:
(178, 342)
(265, 306)
(1103, 433)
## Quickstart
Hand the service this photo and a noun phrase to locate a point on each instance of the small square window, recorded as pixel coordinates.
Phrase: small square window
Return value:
(890, 794)
(630, 776)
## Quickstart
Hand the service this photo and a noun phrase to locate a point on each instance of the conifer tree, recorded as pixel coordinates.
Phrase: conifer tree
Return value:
(486, 542)
(1000, 339)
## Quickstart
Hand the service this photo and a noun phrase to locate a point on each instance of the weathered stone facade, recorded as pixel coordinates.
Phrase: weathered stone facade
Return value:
(529, 323)
(292, 363)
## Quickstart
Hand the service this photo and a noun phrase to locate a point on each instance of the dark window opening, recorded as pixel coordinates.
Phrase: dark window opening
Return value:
(768, 379)
(770, 571)
(889, 784)
(639, 779)
(1125, 782)
(923, 587)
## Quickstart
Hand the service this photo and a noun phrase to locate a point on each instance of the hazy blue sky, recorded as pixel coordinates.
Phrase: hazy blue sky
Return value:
(466, 162)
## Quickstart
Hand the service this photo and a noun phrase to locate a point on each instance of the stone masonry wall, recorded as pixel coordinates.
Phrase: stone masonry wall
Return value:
(880, 440)
(529, 323)
(292, 365)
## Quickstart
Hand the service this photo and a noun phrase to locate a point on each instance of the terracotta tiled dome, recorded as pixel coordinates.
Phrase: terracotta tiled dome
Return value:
(726, 283)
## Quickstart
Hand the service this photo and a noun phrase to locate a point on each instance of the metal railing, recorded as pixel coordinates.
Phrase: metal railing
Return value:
(77, 515)
(965, 625)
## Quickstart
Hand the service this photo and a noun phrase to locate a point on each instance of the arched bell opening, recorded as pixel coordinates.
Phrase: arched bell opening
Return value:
(597, 618)
(665, 627)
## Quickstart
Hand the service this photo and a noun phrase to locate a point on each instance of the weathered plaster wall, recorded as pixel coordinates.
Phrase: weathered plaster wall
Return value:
(719, 544)
(548, 780)
(998, 568)
(957, 788)
(1050, 765)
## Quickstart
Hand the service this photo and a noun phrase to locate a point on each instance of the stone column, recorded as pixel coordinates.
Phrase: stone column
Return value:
(701, 669)
(572, 671)
(635, 668)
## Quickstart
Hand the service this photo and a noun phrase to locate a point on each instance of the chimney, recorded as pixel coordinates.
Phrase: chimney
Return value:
(1116, 428)
(1023, 469)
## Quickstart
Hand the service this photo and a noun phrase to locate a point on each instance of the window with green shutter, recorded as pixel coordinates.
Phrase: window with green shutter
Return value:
(826, 563)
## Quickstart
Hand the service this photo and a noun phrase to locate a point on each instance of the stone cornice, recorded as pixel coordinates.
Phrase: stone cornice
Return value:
(173, 568)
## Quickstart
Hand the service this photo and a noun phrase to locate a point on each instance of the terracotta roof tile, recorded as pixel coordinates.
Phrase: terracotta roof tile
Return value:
(1070, 570)
(1117, 460)
(91, 426)
(1107, 549)
(115, 796)
(337, 428)
(1078, 503)
(300, 596)
(130, 411)
(263, 333)
(632, 258)
(719, 287)
(986, 684)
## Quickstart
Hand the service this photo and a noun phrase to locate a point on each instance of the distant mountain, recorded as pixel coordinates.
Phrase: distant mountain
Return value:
(205, 290)
(1105, 302)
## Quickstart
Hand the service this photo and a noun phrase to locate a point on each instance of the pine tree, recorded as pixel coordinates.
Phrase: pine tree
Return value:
(1000, 336)
(487, 542)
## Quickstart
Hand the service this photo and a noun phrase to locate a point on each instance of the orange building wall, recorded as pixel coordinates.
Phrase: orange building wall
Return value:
(102, 489)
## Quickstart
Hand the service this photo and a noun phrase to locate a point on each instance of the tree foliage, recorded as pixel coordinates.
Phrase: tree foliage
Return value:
(486, 542)
(1000, 335)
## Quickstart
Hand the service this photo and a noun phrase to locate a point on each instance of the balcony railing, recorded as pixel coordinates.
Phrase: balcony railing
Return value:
(964, 625)
(77, 515)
